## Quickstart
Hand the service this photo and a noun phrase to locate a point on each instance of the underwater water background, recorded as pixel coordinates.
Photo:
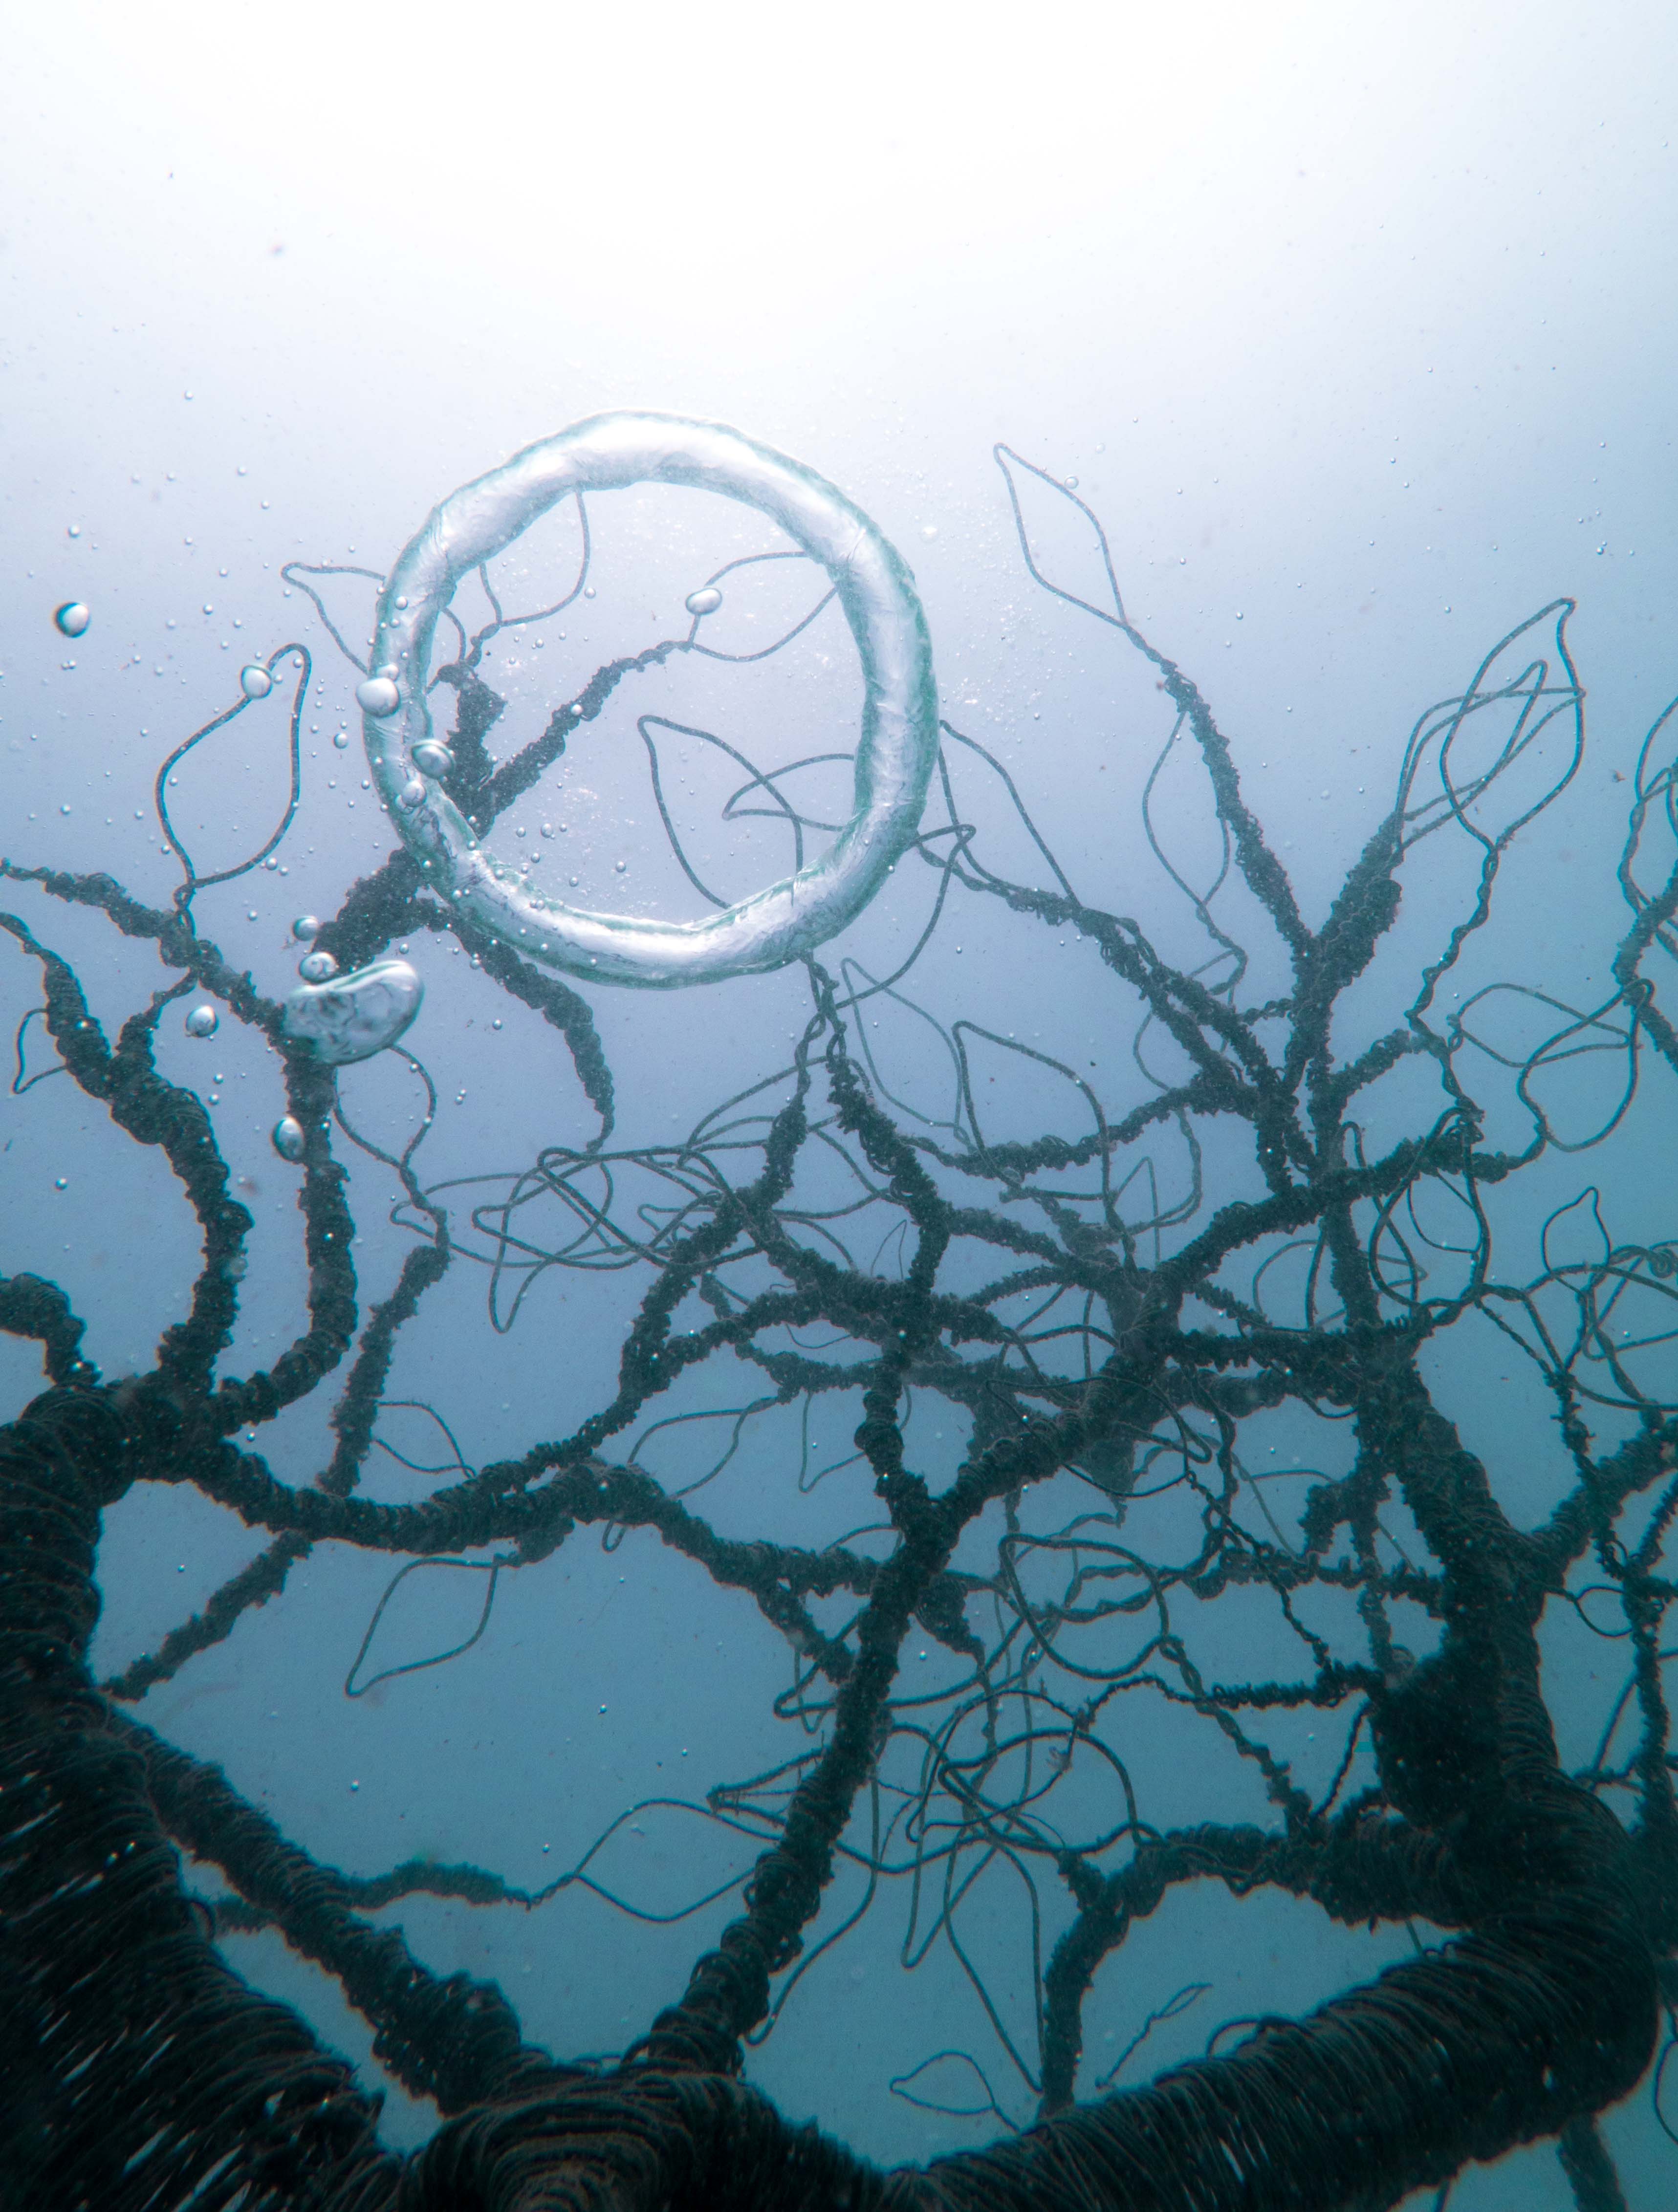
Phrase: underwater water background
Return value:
(1355, 330)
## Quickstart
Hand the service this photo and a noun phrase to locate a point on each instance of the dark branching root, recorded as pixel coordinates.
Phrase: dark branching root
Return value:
(1078, 1323)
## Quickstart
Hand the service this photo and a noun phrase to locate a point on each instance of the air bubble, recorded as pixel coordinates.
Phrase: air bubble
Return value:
(202, 1022)
(287, 1137)
(72, 617)
(317, 967)
(378, 697)
(255, 682)
(352, 1016)
(341, 739)
(433, 758)
(306, 926)
(705, 602)
(412, 792)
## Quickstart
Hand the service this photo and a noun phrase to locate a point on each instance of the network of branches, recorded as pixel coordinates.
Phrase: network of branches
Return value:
(1308, 1177)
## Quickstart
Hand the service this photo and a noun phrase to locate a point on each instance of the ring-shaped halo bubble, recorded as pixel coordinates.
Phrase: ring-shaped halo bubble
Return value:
(895, 754)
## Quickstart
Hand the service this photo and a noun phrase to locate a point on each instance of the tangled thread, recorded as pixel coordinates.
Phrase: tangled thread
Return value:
(1086, 1303)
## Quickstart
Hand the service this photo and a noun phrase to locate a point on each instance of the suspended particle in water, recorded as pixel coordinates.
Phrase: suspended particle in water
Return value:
(202, 1022)
(703, 602)
(306, 926)
(317, 967)
(288, 1137)
(255, 682)
(378, 697)
(433, 758)
(72, 617)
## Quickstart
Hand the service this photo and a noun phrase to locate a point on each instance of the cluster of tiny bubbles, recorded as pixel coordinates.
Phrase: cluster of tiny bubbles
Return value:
(432, 757)
(378, 696)
(703, 602)
(72, 617)
(288, 1137)
(317, 967)
(202, 1022)
(255, 682)
(306, 927)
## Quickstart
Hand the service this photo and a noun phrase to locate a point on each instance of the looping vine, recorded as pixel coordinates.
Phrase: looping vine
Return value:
(1096, 1389)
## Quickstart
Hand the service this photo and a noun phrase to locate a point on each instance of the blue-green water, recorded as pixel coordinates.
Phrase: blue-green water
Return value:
(1352, 334)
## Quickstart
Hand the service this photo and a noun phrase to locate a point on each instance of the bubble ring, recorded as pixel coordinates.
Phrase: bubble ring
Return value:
(895, 754)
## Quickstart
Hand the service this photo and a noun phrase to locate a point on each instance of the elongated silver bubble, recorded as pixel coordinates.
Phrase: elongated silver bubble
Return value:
(347, 1018)
(895, 752)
